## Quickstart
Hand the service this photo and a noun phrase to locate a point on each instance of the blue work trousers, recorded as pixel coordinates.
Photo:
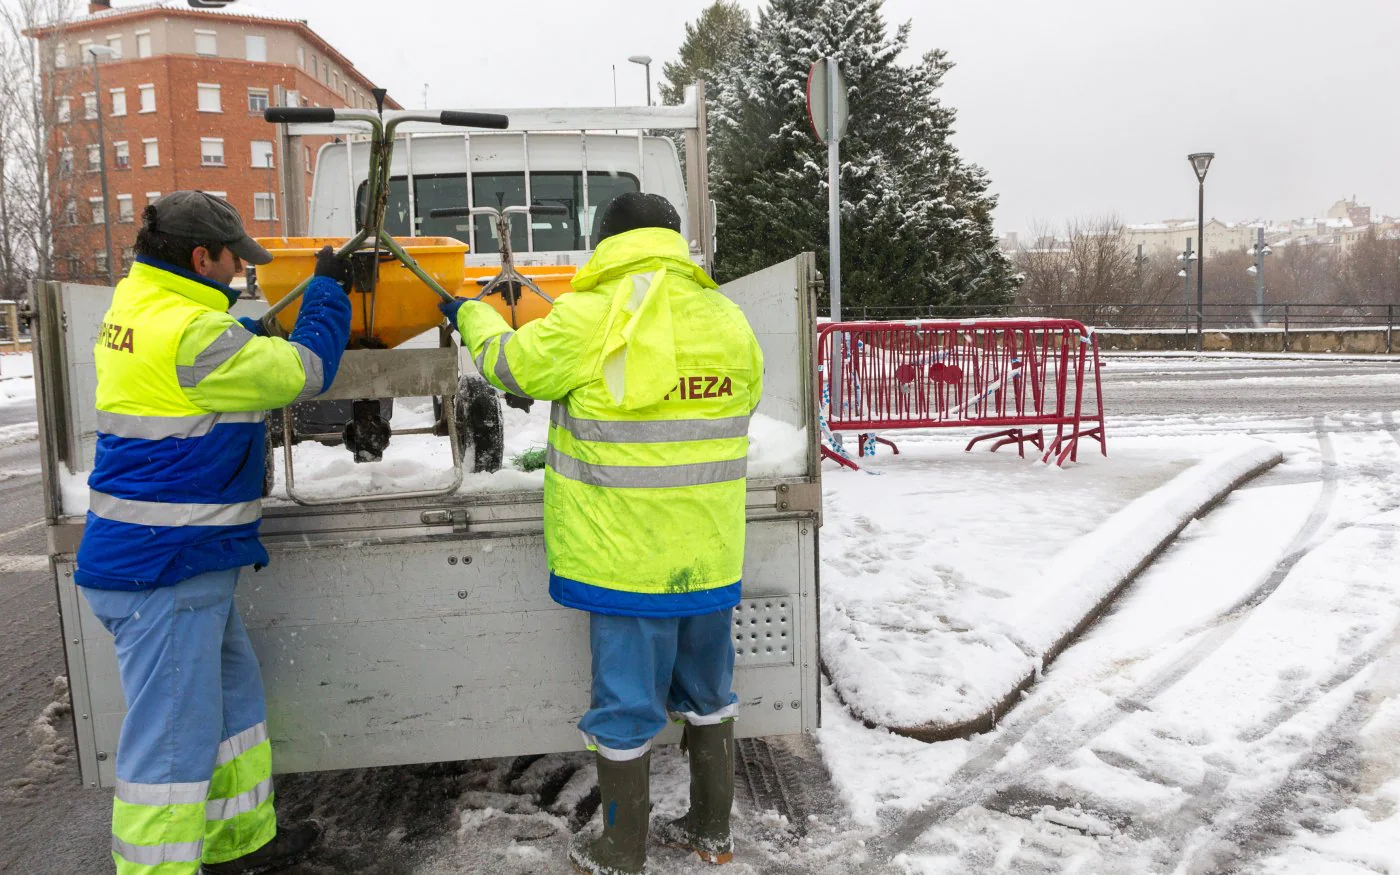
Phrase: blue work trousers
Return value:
(193, 763)
(644, 667)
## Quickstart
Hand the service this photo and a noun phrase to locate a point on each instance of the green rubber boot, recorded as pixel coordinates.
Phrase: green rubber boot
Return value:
(626, 805)
(705, 828)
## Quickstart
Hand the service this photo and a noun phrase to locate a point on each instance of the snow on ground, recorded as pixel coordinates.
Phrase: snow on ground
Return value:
(1235, 711)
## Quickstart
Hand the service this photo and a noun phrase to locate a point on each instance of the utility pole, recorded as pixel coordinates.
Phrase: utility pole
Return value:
(1200, 162)
(1186, 257)
(94, 51)
(1259, 250)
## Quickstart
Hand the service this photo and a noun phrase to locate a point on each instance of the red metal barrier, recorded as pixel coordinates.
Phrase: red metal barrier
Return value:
(1018, 376)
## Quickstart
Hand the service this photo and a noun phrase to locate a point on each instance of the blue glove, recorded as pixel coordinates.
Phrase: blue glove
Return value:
(450, 308)
(253, 326)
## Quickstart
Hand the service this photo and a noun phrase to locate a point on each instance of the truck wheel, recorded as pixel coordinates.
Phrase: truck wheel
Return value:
(480, 426)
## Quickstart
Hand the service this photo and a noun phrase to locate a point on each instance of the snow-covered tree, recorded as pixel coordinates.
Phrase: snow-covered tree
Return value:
(916, 218)
(710, 44)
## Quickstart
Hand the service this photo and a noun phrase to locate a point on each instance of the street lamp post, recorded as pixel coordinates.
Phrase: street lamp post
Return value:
(1200, 162)
(645, 61)
(1186, 257)
(1259, 250)
(94, 51)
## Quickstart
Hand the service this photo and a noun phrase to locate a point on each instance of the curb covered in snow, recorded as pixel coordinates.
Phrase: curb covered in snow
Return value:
(1081, 582)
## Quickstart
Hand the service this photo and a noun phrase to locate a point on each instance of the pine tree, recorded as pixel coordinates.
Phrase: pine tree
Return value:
(710, 44)
(916, 218)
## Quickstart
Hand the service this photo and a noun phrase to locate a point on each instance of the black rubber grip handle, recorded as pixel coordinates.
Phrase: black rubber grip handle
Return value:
(449, 212)
(475, 119)
(296, 114)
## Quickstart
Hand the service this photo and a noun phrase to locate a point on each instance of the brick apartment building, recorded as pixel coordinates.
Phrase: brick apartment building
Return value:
(182, 92)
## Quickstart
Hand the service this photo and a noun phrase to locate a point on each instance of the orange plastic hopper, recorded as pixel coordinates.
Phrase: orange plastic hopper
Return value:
(403, 305)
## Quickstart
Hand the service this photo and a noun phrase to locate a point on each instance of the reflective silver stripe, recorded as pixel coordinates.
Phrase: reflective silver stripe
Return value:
(223, 809)
(646, 476)
(503, 374)
(612, 753)
(654, 431)
(480, 360)
(154, 855)
(169, 513)
(315, 373)
(224, 347)
(162, 794)
(155, 428)
(728, 712)
(232, 748)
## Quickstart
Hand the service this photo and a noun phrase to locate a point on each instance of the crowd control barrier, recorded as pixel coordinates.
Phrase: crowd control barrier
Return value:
(1019, 377)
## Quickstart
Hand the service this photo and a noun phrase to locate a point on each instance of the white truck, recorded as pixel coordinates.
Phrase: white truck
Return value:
(419, 629)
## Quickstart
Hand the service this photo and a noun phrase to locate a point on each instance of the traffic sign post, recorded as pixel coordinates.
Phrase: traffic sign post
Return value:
(828, 111)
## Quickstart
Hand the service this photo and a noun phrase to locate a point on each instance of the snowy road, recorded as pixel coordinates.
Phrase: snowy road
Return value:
(1238, 709)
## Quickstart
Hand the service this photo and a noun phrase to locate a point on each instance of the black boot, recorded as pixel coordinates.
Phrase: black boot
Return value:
(626, 805)
(705, 827)
(289, 847)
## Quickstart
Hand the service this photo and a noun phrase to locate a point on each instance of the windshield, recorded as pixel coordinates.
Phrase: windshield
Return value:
(552, 233)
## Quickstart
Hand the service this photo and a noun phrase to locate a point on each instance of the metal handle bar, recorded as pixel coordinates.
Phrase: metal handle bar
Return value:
(393, 118)
(536, 210)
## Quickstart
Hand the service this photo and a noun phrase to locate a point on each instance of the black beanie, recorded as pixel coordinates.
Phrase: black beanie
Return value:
(633, 210)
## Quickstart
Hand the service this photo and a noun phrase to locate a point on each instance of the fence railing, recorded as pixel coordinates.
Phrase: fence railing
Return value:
(1282, 316)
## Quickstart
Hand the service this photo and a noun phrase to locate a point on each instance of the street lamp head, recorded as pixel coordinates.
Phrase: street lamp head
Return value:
(1251, 270)
(1200, 162)
(1267, 251)
(1181, 272)
(644, 60)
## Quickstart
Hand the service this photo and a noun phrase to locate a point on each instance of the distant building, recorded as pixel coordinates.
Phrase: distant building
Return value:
(1169, 237)
(182, 96)
(1345, 223)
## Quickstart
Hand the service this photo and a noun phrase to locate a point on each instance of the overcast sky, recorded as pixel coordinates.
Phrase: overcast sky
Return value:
(1075, 107)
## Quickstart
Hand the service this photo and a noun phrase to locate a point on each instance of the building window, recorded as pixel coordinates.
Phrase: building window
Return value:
(257, 100)
(307, 157)
(335, 81)
(99, 261)
(128, 256)
(262, 153)
(152, 151)
(325, 72)
(122, 155)
(143, 43)
(114, 43)
(99, 215)
(205, 42)
(211, 152)
(255, 47)
(148, 98)
(94, 158)
(125, 210)
(70, 212)
(74, 265)
(301, 57)
(209, 98)
(89, 105)
(264, 206)
(65, 160)
(118, 101)
(60, 56)
(64, 110)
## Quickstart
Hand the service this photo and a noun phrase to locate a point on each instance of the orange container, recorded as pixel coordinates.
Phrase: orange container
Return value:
(553, 280)
(404, 306)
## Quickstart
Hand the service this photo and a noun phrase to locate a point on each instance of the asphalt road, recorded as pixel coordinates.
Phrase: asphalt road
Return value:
(49, 823)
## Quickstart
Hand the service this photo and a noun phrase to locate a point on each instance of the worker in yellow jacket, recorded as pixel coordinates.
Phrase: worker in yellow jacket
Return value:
(654, 375)
(174, 508)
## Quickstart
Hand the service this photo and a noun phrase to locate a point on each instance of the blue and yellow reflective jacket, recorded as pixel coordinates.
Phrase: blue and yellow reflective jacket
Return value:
(653, 374)
(182, 390)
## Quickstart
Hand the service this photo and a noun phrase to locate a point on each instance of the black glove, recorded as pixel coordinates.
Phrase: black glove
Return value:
(519, 403)
(334, 266)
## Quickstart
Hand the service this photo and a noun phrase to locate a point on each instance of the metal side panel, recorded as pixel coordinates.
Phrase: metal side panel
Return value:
(450, 649)
(81, 632)
(83, 308)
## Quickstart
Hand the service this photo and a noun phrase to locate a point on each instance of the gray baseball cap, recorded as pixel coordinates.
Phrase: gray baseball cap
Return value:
(203, 216)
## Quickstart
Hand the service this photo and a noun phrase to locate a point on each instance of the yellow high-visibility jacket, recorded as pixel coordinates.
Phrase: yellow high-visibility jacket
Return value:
(654, 375)
(182, 388)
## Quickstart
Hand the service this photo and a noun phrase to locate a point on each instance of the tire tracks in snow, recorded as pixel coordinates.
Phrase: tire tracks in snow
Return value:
(969, 784)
